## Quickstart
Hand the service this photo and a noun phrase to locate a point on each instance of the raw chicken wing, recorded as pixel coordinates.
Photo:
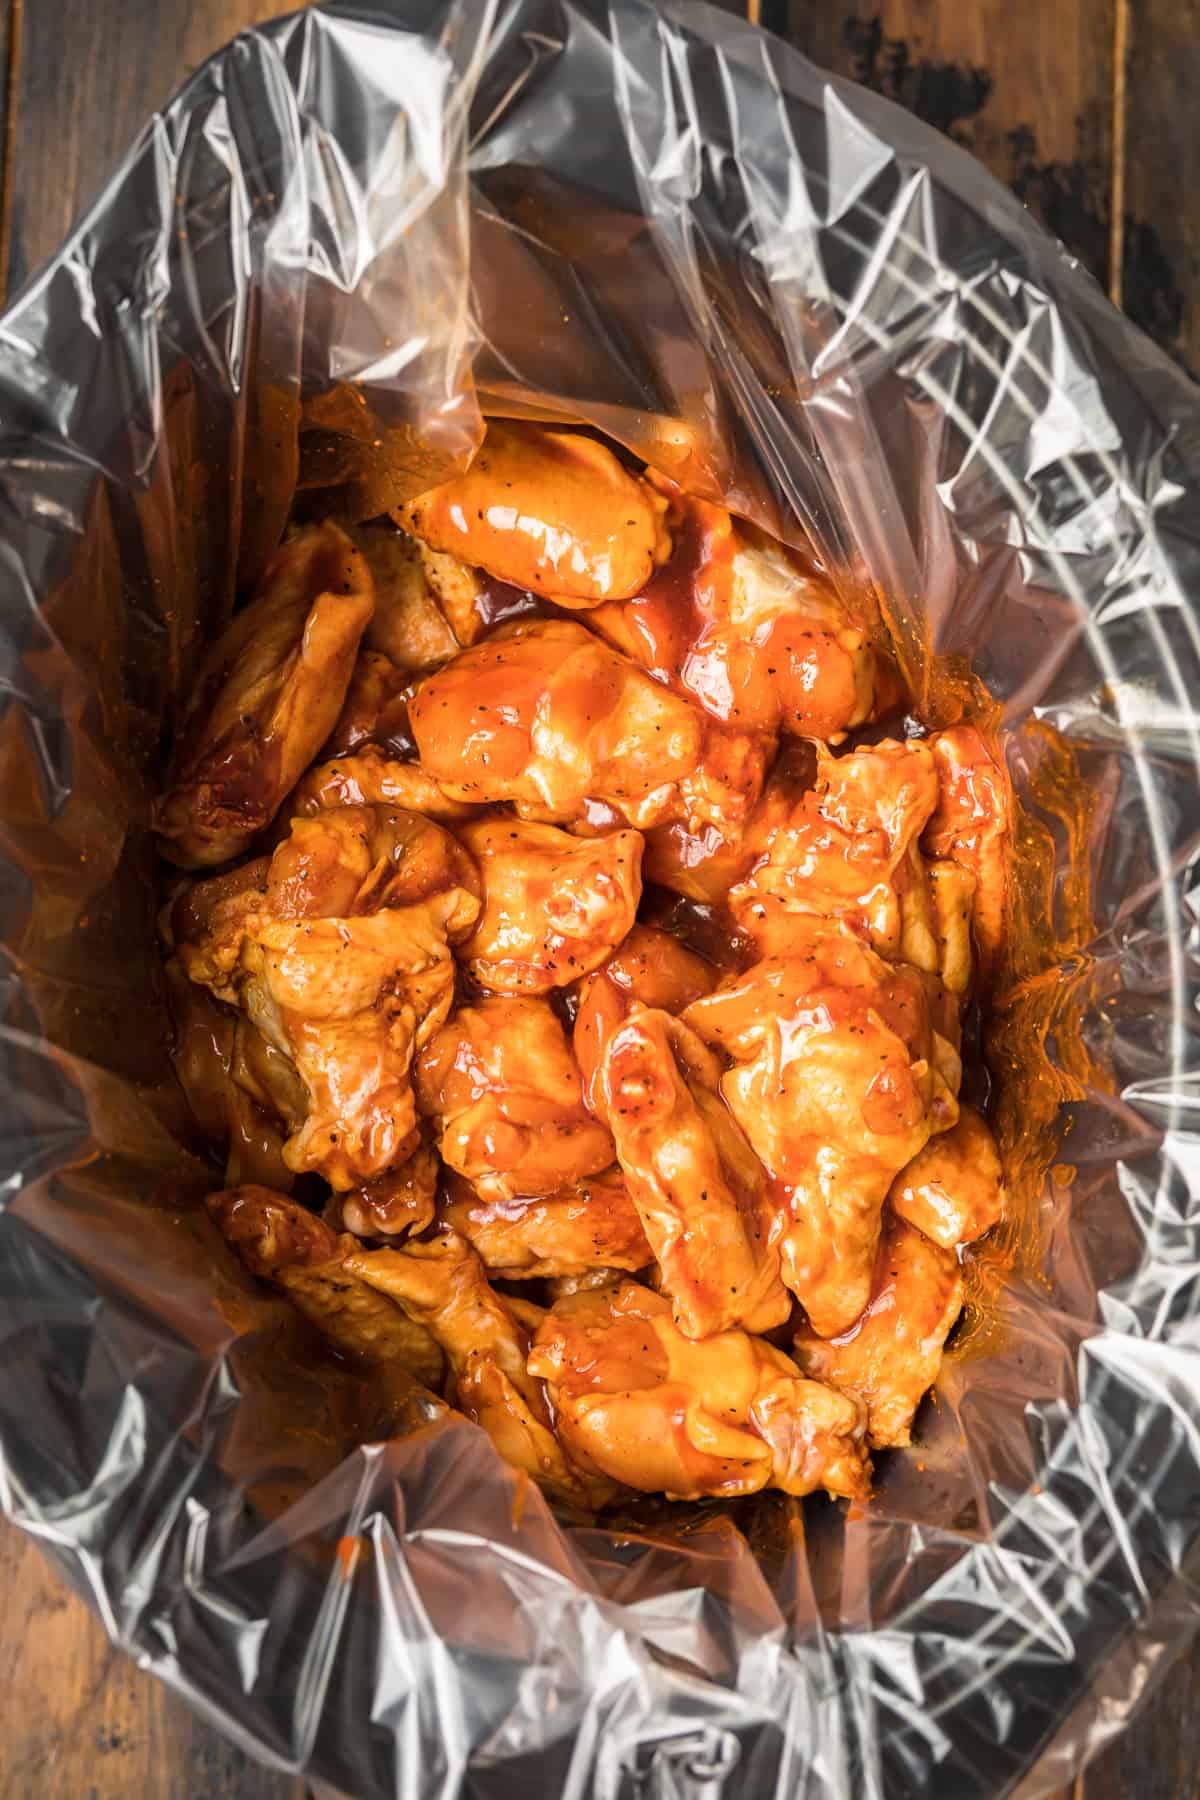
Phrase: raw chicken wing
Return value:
(553, 905)
(890, 1357)
(544, 715)
(837, 1081)
(408, 626)
(551, 511)
(953, 1189)
(694, 1179)
(395, 1205)
(504, 1087)
(443, 1286)
(375, 709)
(267, 698)
(295, 1251)
(634, 1399)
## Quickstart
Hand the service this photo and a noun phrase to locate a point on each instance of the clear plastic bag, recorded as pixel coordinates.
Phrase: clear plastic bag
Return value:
(349, 236)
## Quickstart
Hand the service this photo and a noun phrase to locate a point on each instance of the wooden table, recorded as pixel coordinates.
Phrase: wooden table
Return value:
(1087, 113)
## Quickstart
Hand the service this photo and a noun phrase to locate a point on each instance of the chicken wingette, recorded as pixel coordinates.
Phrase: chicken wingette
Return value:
(266, 699)
(633, 1399)
(838, 1078)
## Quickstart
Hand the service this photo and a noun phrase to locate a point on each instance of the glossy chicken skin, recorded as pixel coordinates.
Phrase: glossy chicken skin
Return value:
(547, 717)
(343, 962)
(696, 1183)
(737, 624)
(375, 708)
(648, 968)
(204, 1056)
(395, 1205)
(846, 849)
(266, 699)
(890, 1357)
(295, 1251)
(501, 1083)
(551, 511)
(370, 777)
(442, 1286)
(972, 826)
(953, 1189)
(554, 905)
(837, 1081)
(634, 1399)
(591, 1225)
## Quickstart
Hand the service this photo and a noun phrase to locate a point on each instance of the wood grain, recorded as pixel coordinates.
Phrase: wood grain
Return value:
(1032, 88)
(1161, 220)
(1024, 84)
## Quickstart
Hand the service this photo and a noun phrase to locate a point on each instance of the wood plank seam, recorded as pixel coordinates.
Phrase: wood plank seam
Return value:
(12, 83)
(1116, 229)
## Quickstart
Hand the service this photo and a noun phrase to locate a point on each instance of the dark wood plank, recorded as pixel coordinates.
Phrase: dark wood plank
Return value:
(80, 1720)
(1160, 285)
(1025, 85)
(79, 108)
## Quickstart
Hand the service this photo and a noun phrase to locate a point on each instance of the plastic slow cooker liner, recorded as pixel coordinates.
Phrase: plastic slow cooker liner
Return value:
(349, 234)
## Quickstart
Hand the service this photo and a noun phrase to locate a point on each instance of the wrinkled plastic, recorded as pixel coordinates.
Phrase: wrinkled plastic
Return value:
(349, 236)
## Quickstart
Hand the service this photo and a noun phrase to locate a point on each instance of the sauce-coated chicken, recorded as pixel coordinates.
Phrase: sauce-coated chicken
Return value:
(634, 1399)
(697, 1185)
(370, 777)
(375, 708)
(442, 1286)
(266, 699)
(734, 622)
(408, 625)
(553, 905)
(205, 1057)
(846, 849)
(551, 511)
(592, 1225)
(649, 968)
(972, 827)
(837, 1081)
(291, 1248)
(504, 1087)
(545, 716)
(953, 1189)
(396, 1205)
(890, 1357)
(341, 958)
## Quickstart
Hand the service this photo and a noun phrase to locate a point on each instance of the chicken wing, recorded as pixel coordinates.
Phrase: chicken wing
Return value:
(408, 625)
(342, 960)
(204, 1055)
(837, 1083)
(972, 826)
(846, 849)
(553, 905)
(505, 1089)
(397, 1205)
(694, 1179)
(442, 1286)
(735, 622)
(544, 715)
(890, 1357)
(266, 699)
(592, 1225)
(650, 968)
(372, 778)
(281, 1243)
(634, 1399)
(375, 709)
(953, 1189)
(551, 511)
